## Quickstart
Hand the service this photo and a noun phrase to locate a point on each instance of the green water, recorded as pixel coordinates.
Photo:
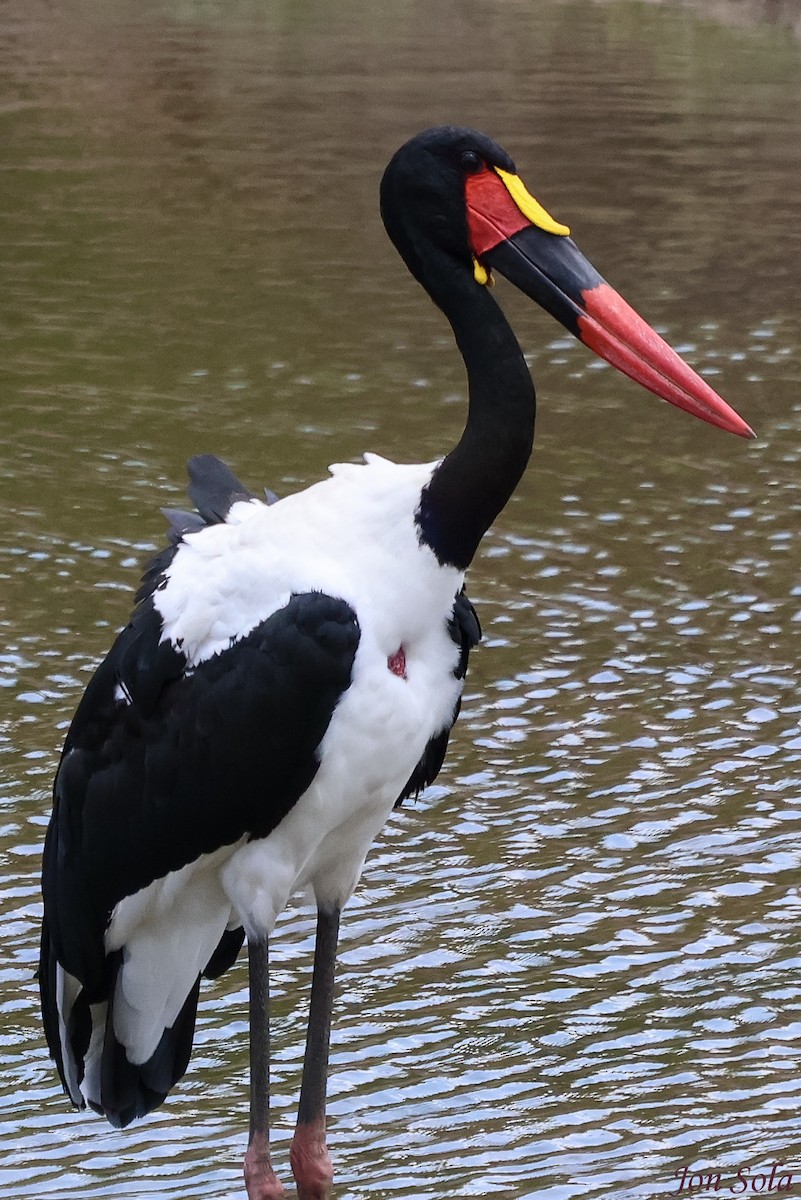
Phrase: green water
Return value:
(572, 968)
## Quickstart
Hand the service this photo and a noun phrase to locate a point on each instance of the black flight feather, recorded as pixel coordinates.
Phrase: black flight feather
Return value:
(213, 487)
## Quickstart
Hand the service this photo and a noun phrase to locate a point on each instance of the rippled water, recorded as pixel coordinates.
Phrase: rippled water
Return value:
(572, 967)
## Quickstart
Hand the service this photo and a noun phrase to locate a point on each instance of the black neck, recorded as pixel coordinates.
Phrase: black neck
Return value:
(474, 482)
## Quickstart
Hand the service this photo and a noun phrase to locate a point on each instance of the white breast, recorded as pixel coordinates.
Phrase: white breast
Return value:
(352, 536)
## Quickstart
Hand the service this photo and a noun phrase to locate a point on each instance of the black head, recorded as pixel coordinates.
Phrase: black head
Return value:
(456, 210)
(423, 195)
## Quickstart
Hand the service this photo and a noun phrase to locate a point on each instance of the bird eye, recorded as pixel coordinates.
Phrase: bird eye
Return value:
(471, 162)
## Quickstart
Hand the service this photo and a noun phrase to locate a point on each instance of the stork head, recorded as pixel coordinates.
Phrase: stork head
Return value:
(456, 209)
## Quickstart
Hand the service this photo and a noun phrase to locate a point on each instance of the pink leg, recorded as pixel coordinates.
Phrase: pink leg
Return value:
(260, 1180)
(311, 1164)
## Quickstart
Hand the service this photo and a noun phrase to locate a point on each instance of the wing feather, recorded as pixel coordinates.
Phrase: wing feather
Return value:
(162, 765)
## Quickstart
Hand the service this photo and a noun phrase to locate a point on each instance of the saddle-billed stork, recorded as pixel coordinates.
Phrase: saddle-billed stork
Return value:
(292, 670)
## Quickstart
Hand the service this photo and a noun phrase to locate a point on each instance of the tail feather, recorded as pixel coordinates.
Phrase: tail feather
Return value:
(66, 1018)
(226, 953)
(131, 1090)
(92, 1062)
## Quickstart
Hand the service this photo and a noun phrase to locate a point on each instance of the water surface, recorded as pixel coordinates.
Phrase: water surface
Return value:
(571, 968)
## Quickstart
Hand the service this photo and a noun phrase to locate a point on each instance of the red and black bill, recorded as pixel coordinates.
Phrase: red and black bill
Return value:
(549, 267)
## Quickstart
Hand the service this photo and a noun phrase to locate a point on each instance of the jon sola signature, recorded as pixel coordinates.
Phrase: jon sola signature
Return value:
(776, 1177)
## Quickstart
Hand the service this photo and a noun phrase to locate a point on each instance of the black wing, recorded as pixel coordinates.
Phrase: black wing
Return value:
(161, 765)
(465, 631)
(185, 764)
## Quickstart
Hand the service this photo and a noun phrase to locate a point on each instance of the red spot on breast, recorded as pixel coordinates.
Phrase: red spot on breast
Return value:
(397, 663)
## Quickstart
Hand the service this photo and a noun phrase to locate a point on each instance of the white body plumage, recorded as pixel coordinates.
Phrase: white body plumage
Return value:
(352, 536)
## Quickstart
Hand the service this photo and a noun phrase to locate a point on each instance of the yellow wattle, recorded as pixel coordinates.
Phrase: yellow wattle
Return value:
(481, 274)
(529, 207)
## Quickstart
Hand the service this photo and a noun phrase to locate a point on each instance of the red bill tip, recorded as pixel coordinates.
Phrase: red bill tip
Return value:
(618, 334)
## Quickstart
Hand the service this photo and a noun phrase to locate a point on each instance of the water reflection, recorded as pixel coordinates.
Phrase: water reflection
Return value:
(572, 967)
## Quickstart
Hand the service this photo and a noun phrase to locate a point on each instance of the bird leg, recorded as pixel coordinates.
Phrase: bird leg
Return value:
(311, 1164)
(260, 1180)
